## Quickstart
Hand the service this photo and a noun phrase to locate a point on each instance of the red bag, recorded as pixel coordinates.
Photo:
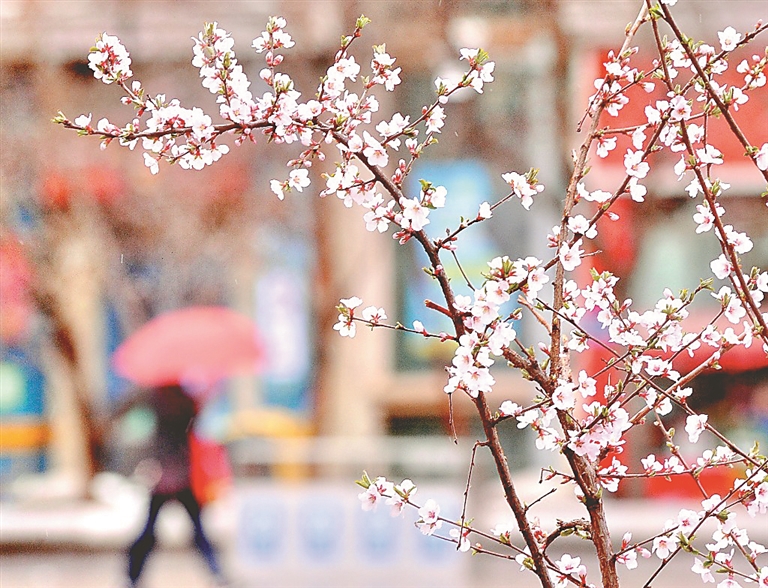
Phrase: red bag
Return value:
(210, 471)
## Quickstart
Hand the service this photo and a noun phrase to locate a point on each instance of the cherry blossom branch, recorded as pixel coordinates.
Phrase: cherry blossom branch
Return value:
(464, 275)
(685, 42)
(628, 36)
(724, 241)
(714, 510)
(491, 434)
(465, 224)
(466, 488)
(738, 281)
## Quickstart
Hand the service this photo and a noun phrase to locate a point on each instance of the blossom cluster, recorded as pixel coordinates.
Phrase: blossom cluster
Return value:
(109, 60)
(397, 496)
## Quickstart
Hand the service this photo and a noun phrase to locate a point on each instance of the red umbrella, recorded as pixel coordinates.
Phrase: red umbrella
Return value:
(197, 345)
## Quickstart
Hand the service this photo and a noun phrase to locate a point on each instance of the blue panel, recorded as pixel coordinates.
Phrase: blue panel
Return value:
(468, 184)
(32, 395)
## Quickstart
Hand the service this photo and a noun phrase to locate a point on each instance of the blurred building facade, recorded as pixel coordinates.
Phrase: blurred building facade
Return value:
(93, 245)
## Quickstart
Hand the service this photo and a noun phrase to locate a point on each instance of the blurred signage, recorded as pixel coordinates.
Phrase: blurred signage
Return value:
(468, 183)
(318, 535)
(24, 432)
(283, 314)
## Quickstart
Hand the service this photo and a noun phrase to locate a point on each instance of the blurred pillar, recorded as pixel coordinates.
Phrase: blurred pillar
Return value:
(360, 264)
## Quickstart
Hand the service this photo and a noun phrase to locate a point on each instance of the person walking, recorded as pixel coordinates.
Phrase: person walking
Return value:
(175, 413)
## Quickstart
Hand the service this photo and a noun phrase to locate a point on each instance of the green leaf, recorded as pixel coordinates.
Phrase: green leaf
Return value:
(365, 481)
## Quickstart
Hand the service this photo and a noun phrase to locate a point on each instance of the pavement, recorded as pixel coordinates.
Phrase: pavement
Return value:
(270, 533)
(110, 520)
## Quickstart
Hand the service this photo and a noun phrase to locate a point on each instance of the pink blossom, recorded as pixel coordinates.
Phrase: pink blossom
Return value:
(463, 359)
(704, 217)
(650, 465)
(527, 418)
(480, 73)
(586, 445)
(393, 127)
(634, 164)
(569, 565)
(587, 386)
(578, 342)
(761, 493)
(564, 396)
(653, 115)
(443, 87)
(83, 120)
(721, 267)
(703, 570)
(570, 257)
(503, 334)
(598, 196)
(489, 298)
(740, 241)
(734, 311)
(369, 498)
(605, 145)
(522, 188)
(710, 155)
(374, 151)
(729, 38)
(663, 546)
(638, 137)
(628, 558)
(400, 494)
(462, 303)
(376, 492)
(276, 186)
(546, 438)
(636, 190)
(762, 579)
(754, 76)
(611, 476)
(374, 315)
(344, 68)
(346, 324)
(298, 179)
(415, 214)
(580, 225)
(429, 521)
(536, 280)
(680, 109)
(435, 120)
(761, 157)
(151, 163)
(434, 196)
(611, 95)
(735, 97)
(381, 64)
(524, 559)
(695, 425)
(509, 408)
(378, 218)
(661, 368)
(477, 379)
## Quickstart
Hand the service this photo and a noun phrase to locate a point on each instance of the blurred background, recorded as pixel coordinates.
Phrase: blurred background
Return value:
(92, 246)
